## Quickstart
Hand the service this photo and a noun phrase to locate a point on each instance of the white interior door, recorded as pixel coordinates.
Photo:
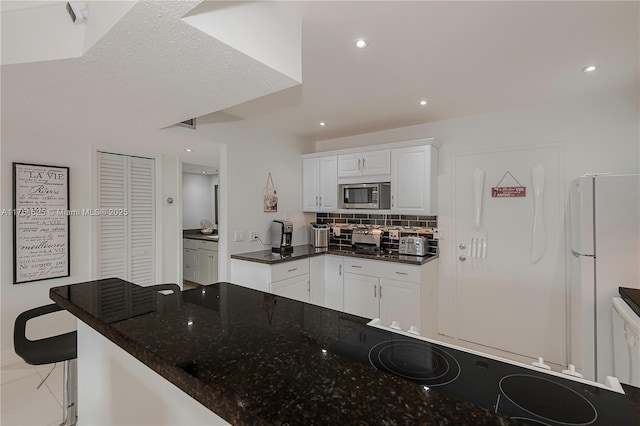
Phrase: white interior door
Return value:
(507, 300)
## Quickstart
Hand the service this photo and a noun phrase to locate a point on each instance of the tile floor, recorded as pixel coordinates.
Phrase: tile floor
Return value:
(22, 404)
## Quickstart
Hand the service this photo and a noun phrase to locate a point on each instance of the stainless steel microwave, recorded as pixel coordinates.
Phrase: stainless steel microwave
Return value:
(365, 195)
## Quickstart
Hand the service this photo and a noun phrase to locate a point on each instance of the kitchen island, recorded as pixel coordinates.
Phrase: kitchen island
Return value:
(247, 356)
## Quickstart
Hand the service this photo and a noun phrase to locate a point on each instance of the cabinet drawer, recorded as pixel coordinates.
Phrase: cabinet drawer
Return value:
(286, 270)
(189, 257)
(206, 245)
(364, 267)
(189, 273)
(189, 243)
(401, 272)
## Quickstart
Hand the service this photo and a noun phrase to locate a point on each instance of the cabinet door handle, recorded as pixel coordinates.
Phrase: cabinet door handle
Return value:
(392, 201)
(321, 201)
(294, 269)
(316, 200)
(380, 292)
(358, 164)
(363, 163)
(374, 291)
(401, 273)
(356, 266)
(339, 270)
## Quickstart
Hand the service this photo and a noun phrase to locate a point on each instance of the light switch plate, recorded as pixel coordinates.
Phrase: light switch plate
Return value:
(238, 235)
(394, 234)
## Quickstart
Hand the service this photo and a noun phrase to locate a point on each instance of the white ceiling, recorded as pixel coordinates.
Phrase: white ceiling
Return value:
(465, 58)
(151, 69)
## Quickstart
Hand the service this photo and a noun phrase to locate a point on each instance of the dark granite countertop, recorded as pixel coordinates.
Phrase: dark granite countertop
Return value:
(307, 250)
(255, 358)
(195, 234)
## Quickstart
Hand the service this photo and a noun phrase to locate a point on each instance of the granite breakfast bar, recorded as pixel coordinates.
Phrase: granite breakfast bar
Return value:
(224, 353)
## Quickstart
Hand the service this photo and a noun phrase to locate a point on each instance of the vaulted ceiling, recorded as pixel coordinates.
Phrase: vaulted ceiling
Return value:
(151, 67)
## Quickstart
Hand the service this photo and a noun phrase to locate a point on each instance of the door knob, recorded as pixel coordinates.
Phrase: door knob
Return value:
(462, 246)
(462, 257)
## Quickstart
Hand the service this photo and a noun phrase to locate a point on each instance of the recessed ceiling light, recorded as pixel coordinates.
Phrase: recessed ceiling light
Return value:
(423, 102)
(590, 68)
(322, 123)
(189, 150)
(361, 43)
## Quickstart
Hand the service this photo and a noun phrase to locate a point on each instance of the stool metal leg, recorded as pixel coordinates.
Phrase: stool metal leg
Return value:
(70, 393)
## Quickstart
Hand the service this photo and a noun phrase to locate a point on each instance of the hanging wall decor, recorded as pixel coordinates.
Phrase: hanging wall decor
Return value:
(508, 191)
(40, 222)
(270, 198)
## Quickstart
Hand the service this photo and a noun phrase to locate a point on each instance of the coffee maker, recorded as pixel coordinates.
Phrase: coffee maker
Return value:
(281, 232)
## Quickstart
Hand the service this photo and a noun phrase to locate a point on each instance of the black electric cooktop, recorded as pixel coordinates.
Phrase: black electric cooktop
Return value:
(518, 392)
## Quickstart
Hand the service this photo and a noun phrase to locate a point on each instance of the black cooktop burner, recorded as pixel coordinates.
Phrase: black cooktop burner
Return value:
(560, 403)
(427, 365)
(519, 392)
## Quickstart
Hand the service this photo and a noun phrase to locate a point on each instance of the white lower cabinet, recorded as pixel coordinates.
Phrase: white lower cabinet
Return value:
(294, 288)
(190, 264)
(372, 290)
(288, 279)
(333, 282)
(361, 295)
(369, 288)
(200, 261)
(399, 301)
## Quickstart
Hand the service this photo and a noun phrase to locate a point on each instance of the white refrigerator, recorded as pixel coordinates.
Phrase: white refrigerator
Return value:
(604, 239)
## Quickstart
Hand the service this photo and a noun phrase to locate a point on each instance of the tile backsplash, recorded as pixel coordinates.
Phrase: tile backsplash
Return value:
(406, 225)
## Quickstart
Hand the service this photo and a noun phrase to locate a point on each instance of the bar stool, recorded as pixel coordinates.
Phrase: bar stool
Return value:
(51, 350)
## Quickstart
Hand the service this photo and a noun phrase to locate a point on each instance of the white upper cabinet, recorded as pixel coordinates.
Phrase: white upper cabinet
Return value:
(414, 172)
(320, 184)
(366, 163)
(310, 178)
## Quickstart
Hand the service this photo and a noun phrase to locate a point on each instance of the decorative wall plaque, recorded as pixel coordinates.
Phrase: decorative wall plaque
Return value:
(40, 222)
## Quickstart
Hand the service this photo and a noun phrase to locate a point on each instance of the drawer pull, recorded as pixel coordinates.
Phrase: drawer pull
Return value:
(401, 273)
(294, 269)
(356, 266)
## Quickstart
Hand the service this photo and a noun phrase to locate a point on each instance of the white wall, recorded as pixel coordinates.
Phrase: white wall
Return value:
(251, 153)
(598, 134)
(247, 155)
(197, 199)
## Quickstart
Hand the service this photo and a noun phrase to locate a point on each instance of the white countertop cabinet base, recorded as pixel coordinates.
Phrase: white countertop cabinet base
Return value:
(369, 288)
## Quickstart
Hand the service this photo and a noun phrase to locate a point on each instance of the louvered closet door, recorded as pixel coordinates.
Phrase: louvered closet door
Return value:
(141, 220)
(126, 242)
(112, 229)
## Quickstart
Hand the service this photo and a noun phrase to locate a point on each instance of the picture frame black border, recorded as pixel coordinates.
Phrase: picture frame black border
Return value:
(15, 254)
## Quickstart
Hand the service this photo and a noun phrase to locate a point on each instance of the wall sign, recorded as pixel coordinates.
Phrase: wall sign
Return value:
(508, 191)
(40, 222)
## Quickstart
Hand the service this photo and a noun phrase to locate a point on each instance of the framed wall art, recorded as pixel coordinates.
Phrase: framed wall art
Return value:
(40, 222)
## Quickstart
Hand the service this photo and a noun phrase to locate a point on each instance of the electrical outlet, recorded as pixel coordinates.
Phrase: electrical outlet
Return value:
(253, 235)
(393, 234)
(238, 235)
